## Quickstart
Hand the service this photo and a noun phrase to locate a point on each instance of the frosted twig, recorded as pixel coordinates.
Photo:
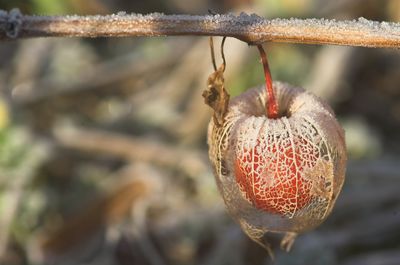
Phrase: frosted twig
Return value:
(252, 29)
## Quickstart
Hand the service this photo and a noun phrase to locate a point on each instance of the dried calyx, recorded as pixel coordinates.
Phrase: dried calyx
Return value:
(278, 169)
(216, 95)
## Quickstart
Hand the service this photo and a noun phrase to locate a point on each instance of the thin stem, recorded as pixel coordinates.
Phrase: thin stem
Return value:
(249, 28)
(212, 53)
(222, 52)
(271, 104)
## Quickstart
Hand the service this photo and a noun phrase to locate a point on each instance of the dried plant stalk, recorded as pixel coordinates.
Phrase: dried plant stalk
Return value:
(249, 28)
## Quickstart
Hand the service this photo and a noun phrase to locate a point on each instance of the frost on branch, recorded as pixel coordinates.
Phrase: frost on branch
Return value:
(250, 28)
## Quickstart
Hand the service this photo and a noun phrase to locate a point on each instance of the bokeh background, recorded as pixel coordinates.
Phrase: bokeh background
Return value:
(103, 156)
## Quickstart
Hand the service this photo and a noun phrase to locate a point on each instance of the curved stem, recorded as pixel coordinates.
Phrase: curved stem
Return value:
(211, 42)
(271, 104)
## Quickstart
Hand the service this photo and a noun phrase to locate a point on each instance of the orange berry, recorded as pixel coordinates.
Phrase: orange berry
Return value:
(275, 182)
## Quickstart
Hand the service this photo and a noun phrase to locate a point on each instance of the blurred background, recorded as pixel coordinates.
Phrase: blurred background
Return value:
(103, 155)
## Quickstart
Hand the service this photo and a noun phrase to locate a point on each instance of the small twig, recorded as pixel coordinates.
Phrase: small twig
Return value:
(249, 28)
(132, 149)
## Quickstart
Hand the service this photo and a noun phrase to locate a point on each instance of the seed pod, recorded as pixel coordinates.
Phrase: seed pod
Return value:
(278, 156)
(283, 174)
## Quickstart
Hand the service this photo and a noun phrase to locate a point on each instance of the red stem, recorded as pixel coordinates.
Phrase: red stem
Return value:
(272, 104)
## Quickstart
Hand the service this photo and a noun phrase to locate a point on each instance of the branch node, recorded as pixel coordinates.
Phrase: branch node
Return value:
(11, 22)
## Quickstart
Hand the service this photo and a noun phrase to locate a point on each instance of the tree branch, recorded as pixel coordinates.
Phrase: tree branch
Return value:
(249, 28)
